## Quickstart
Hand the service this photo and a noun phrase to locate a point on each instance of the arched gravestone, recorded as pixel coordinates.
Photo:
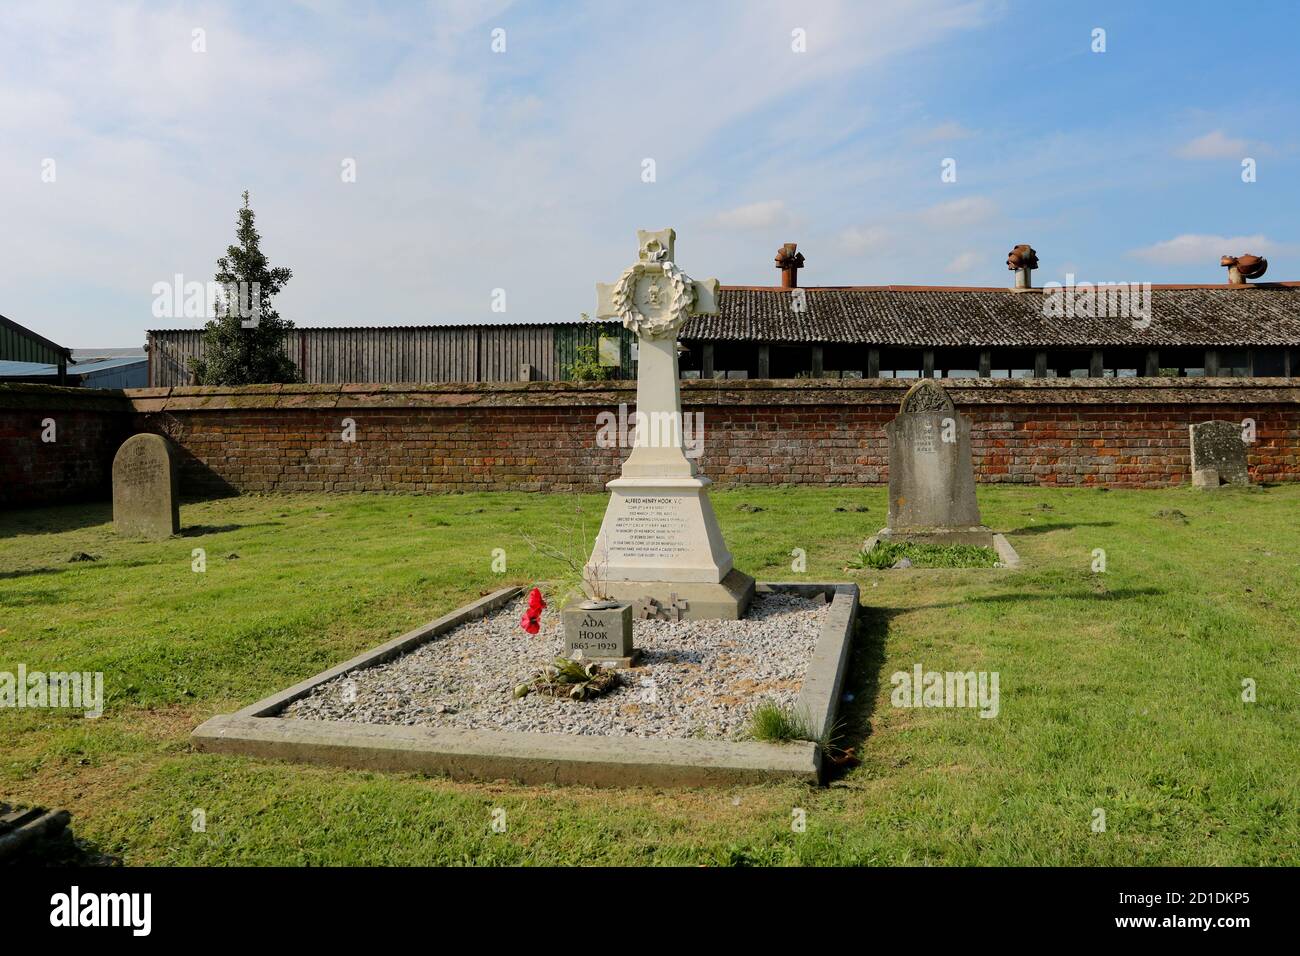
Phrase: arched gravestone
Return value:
(1218, 455)
(931, 478)
(145, 502)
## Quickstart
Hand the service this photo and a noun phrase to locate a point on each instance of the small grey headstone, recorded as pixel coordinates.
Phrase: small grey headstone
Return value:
(1218, 455)
(600, 633)
(145, 502)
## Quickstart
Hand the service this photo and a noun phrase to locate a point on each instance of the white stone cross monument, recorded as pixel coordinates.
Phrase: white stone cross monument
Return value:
(660, 535)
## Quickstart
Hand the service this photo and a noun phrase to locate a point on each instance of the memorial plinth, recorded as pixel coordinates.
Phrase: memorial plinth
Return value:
(660, 535)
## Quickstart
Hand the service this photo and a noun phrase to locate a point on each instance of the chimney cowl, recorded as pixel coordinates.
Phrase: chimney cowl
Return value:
(1023, 260)
(1241, 268)
(789, 260)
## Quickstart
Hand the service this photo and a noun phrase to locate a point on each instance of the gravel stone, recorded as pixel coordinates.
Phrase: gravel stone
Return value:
(696, 678)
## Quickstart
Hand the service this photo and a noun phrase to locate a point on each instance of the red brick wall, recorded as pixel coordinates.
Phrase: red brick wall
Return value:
(1121, 446)
(542, 436)
(77, 465)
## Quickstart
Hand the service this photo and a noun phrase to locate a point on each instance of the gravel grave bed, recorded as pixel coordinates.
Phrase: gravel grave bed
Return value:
(695, 679)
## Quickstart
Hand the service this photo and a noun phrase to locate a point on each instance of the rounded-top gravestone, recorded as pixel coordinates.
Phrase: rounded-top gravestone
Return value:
(145, 502)
(931, 476)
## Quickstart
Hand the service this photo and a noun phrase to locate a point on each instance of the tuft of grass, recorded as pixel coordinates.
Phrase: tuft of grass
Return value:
(886, 553)
(773, 723)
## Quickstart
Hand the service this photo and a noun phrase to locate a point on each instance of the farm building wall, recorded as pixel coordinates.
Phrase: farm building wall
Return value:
(415, 354)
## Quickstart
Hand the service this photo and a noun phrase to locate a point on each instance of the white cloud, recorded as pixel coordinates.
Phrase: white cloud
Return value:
(859, 239)
(1214, 145)
(945, 132)
(756, 215)
(1199, 249)
(967, 211)
(963, 262)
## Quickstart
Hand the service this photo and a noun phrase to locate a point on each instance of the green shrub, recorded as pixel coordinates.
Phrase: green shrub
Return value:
(586, 367)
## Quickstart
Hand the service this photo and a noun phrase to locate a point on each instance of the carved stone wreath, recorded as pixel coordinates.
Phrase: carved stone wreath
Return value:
(681, 301)
(927, 395)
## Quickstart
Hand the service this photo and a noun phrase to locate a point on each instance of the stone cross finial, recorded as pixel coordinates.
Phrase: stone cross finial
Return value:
(653, 297)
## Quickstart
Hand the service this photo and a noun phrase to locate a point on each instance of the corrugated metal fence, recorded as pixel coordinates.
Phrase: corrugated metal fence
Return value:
(440, 353)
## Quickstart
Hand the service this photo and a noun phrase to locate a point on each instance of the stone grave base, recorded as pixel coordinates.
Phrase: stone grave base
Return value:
(619, 663)
(261, 730)
(977, 537)
(1205, 478)
(728, 600)
(1210, 479)
(980, 537)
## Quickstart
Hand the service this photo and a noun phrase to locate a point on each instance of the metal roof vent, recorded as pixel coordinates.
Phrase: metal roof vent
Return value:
(1241, 268)
(1023, 260)
(789, 260)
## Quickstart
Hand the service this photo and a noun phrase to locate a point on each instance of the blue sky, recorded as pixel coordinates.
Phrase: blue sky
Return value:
(522, 170)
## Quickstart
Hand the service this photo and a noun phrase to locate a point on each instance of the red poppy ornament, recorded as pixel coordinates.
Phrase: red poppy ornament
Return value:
(532, 619)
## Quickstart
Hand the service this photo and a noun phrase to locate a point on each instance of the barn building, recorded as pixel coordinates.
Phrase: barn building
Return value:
(1244, 327)
(21, 349)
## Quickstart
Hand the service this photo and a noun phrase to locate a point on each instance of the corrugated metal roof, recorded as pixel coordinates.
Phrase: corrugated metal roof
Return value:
(81, 368)
(918, 317)
(76, 371)
(94, 355)
(27, 368)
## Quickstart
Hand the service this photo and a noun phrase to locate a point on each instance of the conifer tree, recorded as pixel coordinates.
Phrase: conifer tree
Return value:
(244, 344)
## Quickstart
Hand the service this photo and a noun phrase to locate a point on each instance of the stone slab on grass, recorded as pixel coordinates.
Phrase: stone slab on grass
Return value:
(1007, 554)
(506, 755)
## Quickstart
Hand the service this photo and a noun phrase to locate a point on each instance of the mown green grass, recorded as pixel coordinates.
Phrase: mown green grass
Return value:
(1119, 691)
(885, 554)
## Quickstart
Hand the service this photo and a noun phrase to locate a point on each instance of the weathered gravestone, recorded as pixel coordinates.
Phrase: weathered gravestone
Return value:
(600, 633)
(660, 536)
(145, 503)
(931, 478)
(1218, 455)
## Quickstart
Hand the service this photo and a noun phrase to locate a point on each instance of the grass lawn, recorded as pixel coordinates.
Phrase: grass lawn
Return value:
(1120, 691)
